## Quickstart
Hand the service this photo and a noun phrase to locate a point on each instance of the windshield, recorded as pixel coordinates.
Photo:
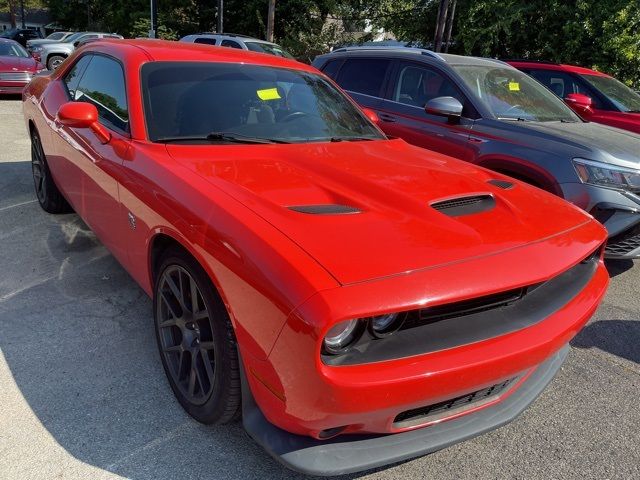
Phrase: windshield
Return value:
(625, 99)
(56, 36)
(12, 50)
(74, 37)
(512, 95)
(270, 48)
(191, 101)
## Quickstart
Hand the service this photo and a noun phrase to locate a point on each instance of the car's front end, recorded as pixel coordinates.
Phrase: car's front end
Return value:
(16, 70)
(473, 343)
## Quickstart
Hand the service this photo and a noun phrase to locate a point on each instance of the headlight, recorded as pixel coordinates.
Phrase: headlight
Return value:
(384, 325)
(341, 335)
(607, 175)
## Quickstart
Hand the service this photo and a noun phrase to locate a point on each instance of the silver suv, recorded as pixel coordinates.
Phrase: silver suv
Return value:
(242, 42)
(53, 54)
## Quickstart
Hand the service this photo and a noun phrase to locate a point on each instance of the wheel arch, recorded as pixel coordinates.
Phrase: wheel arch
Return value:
(524, 171)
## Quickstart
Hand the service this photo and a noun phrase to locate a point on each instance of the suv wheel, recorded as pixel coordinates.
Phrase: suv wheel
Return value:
(54, 61)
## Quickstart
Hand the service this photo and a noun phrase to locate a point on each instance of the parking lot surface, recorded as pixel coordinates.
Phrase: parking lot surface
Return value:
(83, 394)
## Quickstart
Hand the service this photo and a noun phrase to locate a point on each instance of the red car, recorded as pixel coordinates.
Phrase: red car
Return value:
(359, 300)
(595, 96)
(16, 67)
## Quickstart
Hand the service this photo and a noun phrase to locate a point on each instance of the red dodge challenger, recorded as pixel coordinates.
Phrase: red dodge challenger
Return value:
(358, 300)
(16, 67)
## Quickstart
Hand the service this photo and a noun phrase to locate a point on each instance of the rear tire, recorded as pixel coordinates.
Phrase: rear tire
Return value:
(196, 340)
(54, 61)
(49, 197)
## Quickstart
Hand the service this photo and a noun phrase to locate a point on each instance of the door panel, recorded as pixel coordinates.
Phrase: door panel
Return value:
(403, 115)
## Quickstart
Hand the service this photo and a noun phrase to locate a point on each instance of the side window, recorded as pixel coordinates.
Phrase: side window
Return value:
(205, 40)
(364, 75)
(72, 78)
(230, 43)
(103, 85)
(417, 85)
(331, 68)
(562, 84)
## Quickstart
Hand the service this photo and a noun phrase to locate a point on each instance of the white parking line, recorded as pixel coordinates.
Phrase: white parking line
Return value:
(17, 205)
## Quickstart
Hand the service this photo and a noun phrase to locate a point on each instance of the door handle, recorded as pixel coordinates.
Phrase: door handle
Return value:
(385, 117)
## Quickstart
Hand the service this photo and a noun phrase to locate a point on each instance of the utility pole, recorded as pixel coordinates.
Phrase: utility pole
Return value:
(447, 41)
(22, 13)
(270, 20)
(220, 16)
(440, 24)
(154, 19)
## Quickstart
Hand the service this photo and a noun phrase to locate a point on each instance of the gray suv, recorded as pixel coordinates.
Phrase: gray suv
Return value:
(53, 54)
(240, 42)
(488, 113)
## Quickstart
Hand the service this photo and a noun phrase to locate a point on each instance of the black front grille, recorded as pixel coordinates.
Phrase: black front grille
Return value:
(452, 406)
(623, 244)
(465, 205)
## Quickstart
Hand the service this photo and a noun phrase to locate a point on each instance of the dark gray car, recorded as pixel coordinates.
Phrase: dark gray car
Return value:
(487, 112)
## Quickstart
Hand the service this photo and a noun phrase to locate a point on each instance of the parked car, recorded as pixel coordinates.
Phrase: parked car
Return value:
(489, 113)
(52, 38)
(21, 35)
(595, 96)
(241, 42)
(340, 289)
(16, 67)
(53, 54)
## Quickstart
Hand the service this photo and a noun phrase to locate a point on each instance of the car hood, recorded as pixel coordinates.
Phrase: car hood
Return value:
(42, 41)
(17, 64)
(589, 140)
(392, 185)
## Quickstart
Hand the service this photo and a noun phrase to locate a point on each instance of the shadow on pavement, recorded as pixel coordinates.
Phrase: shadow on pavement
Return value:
(617, 267)
(77, 335)
(618, 337)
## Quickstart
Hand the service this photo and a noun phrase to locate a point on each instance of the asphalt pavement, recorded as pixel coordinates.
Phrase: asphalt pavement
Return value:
(83, 394)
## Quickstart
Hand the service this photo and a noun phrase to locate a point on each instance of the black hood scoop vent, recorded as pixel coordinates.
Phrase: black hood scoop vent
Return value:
(457, 207)
(330, 209)
(504, 184)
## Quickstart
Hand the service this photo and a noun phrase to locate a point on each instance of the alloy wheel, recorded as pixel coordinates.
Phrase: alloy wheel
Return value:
(186, 334)
(38, 168)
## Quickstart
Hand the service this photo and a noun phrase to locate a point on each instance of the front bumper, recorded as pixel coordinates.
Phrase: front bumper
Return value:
(353, 453)
(618, 211)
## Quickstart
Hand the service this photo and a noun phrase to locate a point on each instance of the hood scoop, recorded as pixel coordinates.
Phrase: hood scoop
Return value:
(505, 185)
(329, 209)
(457, 207)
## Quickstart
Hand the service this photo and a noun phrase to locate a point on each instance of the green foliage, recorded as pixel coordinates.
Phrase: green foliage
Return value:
(595, 33)
(142, 26)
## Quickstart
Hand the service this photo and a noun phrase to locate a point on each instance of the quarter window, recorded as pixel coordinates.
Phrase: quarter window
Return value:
(364, 75)
(103, 85)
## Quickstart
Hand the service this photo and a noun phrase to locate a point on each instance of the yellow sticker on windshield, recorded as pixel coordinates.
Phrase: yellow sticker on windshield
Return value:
(514, 86)
(268, 94)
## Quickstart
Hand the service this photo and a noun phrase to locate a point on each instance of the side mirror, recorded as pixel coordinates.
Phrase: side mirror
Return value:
(579, 102)
(371, 115)
(83, 115)
(444, 107)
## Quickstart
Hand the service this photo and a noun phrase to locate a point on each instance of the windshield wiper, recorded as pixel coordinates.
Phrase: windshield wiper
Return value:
(222, 137)
(351, 139)
(515, 119)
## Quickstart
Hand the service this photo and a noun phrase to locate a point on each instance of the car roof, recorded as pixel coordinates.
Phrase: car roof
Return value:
(555, 66)
(171, 51)
(410, 52)
(236, 36)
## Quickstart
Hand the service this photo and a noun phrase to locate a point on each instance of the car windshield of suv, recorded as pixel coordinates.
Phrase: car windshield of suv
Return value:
(625, 99)
(512, 95)
(12, 50)
(270, 48)
(56, 36)
(74, 37)
(238, 103)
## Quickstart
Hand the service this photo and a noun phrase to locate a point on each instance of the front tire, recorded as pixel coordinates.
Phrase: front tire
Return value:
(49, 197)
(54, 61)
(196, 340)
